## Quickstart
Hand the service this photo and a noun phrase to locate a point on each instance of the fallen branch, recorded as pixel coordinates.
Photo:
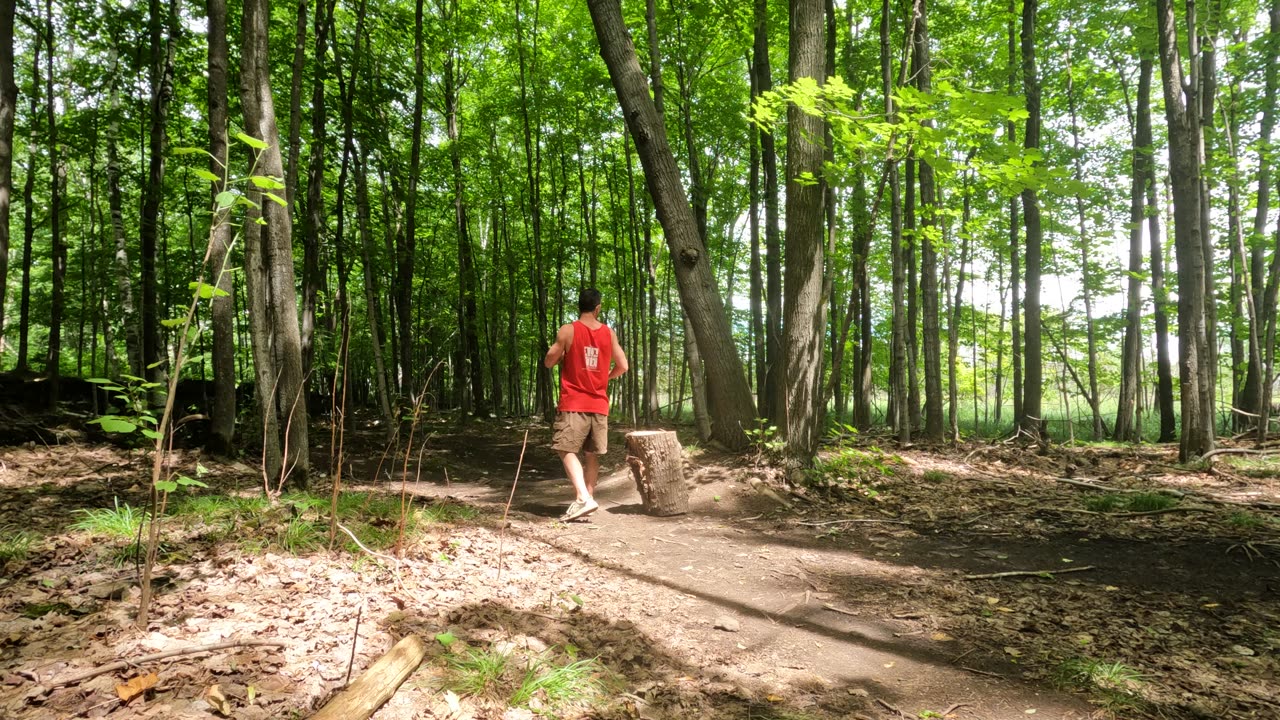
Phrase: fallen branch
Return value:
(378, 684)
(891, 708)
(1027, 573)
(191, 650)
(1111, 489)
(1238, 451)
(853, 520)
(840, 610)
(1139, 513)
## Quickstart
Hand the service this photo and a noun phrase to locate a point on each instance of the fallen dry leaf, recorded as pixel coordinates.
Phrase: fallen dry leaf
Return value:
(137, 686)
(217, 700)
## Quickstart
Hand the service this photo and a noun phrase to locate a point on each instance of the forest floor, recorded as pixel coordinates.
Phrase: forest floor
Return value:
(1158, 597)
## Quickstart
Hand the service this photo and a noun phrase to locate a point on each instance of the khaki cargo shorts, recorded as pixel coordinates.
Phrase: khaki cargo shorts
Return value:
(581, 432)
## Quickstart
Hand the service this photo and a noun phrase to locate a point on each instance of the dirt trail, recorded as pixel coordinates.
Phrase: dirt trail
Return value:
(791, 631)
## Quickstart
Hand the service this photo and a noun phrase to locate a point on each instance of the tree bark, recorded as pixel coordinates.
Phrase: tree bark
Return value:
(931, 326)
(771, 405)
(1194, 353)
(804, 309)
(378, 684)
(162, 59)
(115, 202)
(58, 249)
(8, 111)
(222, 431)
(729, 392)
(314, 227)
(1143, 172)
(277, 346)
(1032, 420)
(657, 466)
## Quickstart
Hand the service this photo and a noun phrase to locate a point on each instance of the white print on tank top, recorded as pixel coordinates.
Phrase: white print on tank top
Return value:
(592, 356)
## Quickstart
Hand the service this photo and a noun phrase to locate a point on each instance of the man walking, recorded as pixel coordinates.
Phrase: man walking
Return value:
(592, 357)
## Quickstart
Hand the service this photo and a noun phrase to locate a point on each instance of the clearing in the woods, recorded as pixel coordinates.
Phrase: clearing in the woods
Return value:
(987, 581)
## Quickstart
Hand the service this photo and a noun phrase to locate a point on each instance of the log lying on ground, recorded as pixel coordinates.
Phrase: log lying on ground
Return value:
(657, 465)
(377, 684)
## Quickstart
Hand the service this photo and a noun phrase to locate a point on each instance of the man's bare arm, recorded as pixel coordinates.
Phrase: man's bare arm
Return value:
(620, 365)
(564, 340)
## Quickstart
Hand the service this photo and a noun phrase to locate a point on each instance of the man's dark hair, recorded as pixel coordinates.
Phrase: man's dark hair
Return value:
(588, 300)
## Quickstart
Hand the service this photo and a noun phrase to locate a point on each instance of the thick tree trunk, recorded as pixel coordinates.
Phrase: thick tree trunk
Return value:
(657, 466)
(730, 396)
(222, 432)
(1194, 354)
(277, 346)
(804, 309)
(8, 111)
(1032, 415)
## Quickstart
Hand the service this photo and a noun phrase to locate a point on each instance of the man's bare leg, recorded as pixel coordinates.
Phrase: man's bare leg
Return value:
(590, 471)
(573, 468)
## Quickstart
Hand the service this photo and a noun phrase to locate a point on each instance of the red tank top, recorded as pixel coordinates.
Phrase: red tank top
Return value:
(584, 373)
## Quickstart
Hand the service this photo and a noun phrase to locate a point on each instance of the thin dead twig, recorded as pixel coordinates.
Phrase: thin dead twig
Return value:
(1027, 573)
(840, 610)
(853, 520)
(891, 708)
(503, 528)
(190, 650)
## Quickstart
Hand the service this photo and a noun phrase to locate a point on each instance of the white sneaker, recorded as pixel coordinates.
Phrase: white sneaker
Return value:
(580, 508)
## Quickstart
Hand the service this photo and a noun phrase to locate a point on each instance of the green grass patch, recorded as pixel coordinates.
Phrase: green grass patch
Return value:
(1115, 684)
(853, 469)
(14, 545)
(935, 476)
(1246, 520)
(579, 681)
(1150, 502)
(1125, 502)
(122, 521)
(476, 672)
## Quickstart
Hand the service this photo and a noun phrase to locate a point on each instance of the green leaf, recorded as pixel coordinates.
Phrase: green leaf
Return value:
(252, 142)
(446, 638)
(116, 425)
(186, 150)
(98, 381)
(173, 323)
(276, 199)
(266, 182)
(206, 175)
(201, 470)
(225, 199)
(166, 485)
(185, 481)
(151, 434)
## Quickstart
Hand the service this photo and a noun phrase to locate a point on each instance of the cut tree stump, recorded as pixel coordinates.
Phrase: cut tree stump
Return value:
(377, 684)
(657, 465)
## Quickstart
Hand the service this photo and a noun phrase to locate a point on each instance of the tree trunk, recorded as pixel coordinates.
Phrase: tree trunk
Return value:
(1251, 395)
(28, 219)
(162, 58)
(953, 325)
(277, 346)
(1015, 269)
(58, 249)
(8, 111)
(295, 104)
(771, 406)
(1032, 420)
(1194, 353)
(804, 310)
(899, 418)
(657, 466)
(1086, 272)
(1131, 358)
(730, 395)
(931, 334)
(222, 432)
(115, 202)
(314, 226)
(406, 241)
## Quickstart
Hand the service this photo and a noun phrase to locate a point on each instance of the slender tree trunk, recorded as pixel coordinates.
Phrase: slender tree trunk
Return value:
(1194, 353)
(1143, 172)
(932, 344)
(115, 202)
(1251, 395)
(899, 418)
(953, 325)
(223, 306)
(295, 103)
(277, 346)
(162, 58)
(730, 395)
(8, 112)
(1033, 416)
(758, 363)
(406, 241)
(58, 248)
(771, 407)
(28, 217)
(1086, 272)
(1015, 269)
(314, 227)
